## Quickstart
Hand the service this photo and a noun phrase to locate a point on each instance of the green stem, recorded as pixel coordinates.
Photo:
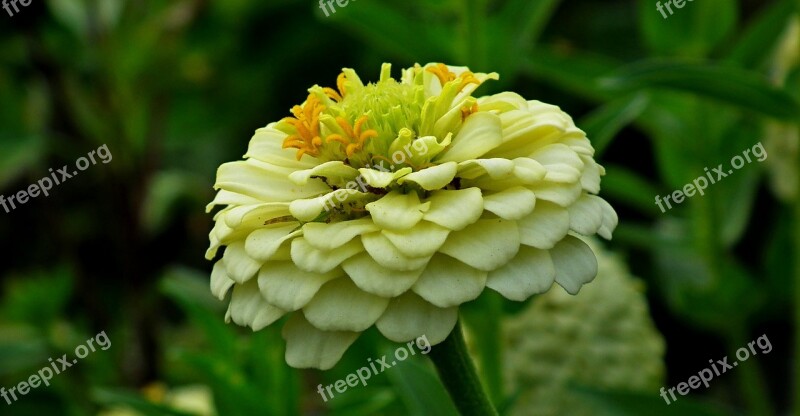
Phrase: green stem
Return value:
(459, 377)
(750, 378)
(797, 302)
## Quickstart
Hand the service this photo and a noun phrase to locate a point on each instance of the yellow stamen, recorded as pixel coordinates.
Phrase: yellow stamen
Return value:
(468, 111)
(307, 139)
(442, 72)
(353, 139)
(340, 80)
(330, 92)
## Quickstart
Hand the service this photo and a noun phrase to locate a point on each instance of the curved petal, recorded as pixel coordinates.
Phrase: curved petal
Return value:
(308, 347)
(265, 182)
(610, 219)
(310, 259)
(480, 133)
(496, 168)
(239, 266)
(327, 237)
(510, 204)
(397, 211)
(220, 282)
(575, 264)
(258, 213)
(371, 277)
(382, 179)
(545, 226)
(287, 287)
(531, 271)
(341, 306)
(455, 209)
(585, 215)
(387, 255)
(435, 177)
(267, 146)
(262, 244)
(335, 171)
(248, 308)
(421, 241)
(409, 317)
(448, 282)
(484, 245)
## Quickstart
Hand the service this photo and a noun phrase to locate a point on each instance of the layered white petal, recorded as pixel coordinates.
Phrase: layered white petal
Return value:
(239, 266)
(388, 255)
(311, 259)
(397, 211)
(287, 287)
(448, 282)
(371, 277)
(409, 317)
(545, 226)
(335, 171)
(220, 282)
(267, 146)
(248, 308)
(261, 245)
(341, 306)
(432, 178)
(309, 347)
(265, 182)
(586, 215)
(484, 245)
(324, 236)
(510, 204)
(421, 241)
(575, 264)
(480, 133)
(531, 271)
(455, 209)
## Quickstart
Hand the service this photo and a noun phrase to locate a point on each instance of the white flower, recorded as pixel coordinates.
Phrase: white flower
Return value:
(390, 204)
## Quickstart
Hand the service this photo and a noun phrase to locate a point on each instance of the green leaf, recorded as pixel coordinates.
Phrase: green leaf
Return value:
(692, 30)
(759, 39)
(574, 72)
(421, 390)
(607, 121)
(608, 403)
(740, 88)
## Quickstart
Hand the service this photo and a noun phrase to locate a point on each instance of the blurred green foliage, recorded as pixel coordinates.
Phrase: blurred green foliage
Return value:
(175, 88)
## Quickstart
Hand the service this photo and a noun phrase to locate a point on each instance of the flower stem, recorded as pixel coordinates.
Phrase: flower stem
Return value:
(459, 377)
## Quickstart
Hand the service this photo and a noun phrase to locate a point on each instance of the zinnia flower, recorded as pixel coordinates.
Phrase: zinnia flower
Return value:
(390, 204)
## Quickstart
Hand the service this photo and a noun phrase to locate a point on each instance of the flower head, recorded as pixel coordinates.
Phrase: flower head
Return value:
(390, 204)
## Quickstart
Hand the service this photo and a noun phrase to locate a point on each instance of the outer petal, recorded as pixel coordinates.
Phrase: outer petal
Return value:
(530, 272)
(239, 266)
(448, 282)
(510, 204)
(397, 211)
(248, 308)
(261, 245)
(266, 146)
(421, 241)
(335, 170)
(308, 347)
(409, 317)
(610, 220)
(480, 133)
(388, 255)
(432, 178)
(220, 282)
(310, 259)
(455, 209)
(484, 245)
(327, 237)
(264, 182)
(586, 215)
(545, 226)
(495, 168)
(371, 277)
(341, 306)
(575, 264)
(287, 287)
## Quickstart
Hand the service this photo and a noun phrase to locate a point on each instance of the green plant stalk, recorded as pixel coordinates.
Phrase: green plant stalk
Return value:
(459, 377)
(796, 259)
(750, 377)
